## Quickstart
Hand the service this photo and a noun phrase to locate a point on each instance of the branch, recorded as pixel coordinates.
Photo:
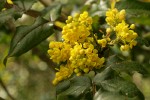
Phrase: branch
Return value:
(33, 13)
(44, 3)
(43, 57)
(6, 90)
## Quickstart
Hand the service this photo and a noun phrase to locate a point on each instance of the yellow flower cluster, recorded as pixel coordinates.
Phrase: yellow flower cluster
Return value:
(124, 34)
(84, 58)
(76, 54)
(113, 17)
(59, 51)
(63, 73)
(77, 28)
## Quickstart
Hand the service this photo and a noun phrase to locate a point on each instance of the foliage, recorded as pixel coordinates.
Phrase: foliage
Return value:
(114, 58)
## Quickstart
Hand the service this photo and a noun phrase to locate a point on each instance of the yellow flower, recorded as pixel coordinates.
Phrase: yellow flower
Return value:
(59, 51)
(64, 72)
(9, 2)
(77, 28)
(124, 47)
(85, 58)
(124, 33)
(113, 16)
(102, 42)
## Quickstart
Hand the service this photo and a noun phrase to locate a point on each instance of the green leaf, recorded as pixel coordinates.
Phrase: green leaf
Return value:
(104, 75)
(103, 95)
(52, 12)
(113, 59)
(129, 67)
(2, 3)
(142, 41)
(121, 86)
(62, 86)
(24, 4)
(134, 7)
(26, 37)
(144, 20)
(8, 14)
(78, 86)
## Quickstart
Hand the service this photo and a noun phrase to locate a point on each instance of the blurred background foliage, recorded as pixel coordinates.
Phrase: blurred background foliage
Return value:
(29, 76)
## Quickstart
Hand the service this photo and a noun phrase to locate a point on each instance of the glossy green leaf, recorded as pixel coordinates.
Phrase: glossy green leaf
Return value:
(129, 67)
(24, 4)
(78, 86)
(121, 86)
(52, 12)
(103, 95)
(28, 36)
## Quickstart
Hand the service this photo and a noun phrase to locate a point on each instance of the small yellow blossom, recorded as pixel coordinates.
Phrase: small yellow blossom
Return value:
(9, 2)
(132, 26)
(64, 72)
(102, 42)
(124, 47)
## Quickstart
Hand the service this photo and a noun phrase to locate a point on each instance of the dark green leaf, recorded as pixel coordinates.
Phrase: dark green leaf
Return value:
(129, 67)
(78, 86)
(24, 4)
(62, 86)
(2, 2)
(52, 12)
(103, 95)
(142, 41)
(113, 59)
(26, 37)
(121, 86)
(105, 74)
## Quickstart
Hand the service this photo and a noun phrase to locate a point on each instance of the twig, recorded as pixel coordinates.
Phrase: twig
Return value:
(6, 90)
(43, 57)
(44, 3)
